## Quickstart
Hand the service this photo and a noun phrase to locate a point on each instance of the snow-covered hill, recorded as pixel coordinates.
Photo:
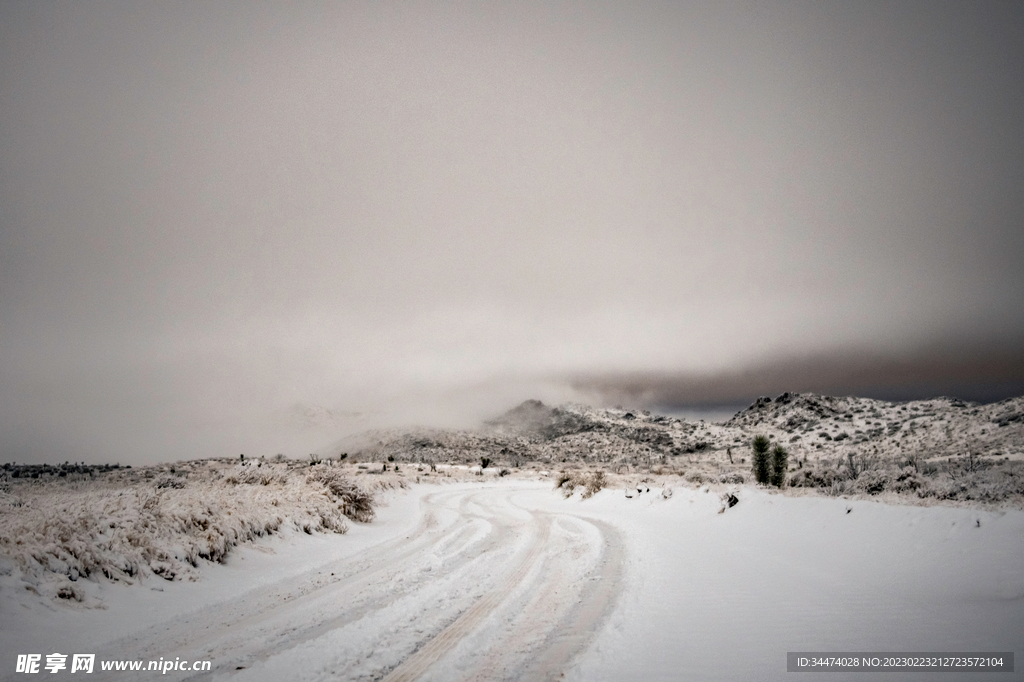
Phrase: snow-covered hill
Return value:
(953, 449)
(809, 425)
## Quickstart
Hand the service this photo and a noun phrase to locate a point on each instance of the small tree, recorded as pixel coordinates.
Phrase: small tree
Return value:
(760, 459)
(780, 463)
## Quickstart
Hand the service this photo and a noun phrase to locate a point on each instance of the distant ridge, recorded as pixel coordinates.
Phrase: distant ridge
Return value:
(810, 425)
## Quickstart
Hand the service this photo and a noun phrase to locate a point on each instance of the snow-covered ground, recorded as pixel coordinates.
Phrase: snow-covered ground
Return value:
(712, 596)
(505, 579)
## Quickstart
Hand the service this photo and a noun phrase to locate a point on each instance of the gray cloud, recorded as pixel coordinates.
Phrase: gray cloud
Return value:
(212, 213)
(981, 373)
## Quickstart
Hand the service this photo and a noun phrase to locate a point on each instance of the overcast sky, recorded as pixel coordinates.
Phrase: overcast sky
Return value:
(245, 227)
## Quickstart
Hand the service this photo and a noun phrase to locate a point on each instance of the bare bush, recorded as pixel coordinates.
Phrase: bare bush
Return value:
(853, 466)
(169, 482)
(696, 477)
(815, 478)
(839, 487)
(256, 474)
(873, 481)
(591, 483)
(594, 483)
(908, 480)
(356, 502)
(967, 464)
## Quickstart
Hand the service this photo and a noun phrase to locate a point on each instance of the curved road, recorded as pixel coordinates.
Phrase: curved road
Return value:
(485, 588)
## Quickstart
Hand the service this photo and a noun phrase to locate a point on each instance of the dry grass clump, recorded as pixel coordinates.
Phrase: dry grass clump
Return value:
(591, 483)
(697, 477)
(356, 502)
(256, 474)
(164, 525)
(169, 482)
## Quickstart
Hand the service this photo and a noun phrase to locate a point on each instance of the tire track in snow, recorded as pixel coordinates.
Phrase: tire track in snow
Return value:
(578, 627)
(415, 665)
(562, 607)
(566, 602)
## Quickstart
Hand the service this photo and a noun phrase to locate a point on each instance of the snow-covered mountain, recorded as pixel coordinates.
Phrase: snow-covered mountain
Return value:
(808, 425)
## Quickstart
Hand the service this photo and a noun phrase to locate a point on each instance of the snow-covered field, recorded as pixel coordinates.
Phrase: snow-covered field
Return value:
(506, 579)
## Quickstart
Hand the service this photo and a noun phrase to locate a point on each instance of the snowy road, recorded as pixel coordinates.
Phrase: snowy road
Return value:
(481, 589)
(506, 580)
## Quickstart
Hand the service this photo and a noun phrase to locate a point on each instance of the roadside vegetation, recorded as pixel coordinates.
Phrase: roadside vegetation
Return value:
(966, 478)
(123, 524)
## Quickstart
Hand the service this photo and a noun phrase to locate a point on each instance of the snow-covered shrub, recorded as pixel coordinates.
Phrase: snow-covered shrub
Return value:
(815, 478)
(257, 474)
(839, 487)
(357, 503)
(946, 489)
(592, 483)
(70, 591)
(130, 527)
(989, 485)
(873, 481)
(169, 482)
(696, 477)
(908, 480)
